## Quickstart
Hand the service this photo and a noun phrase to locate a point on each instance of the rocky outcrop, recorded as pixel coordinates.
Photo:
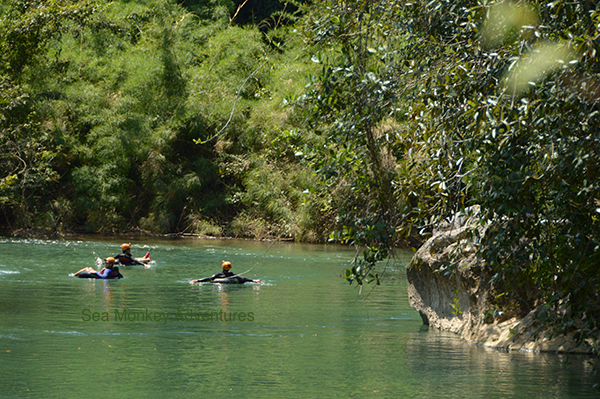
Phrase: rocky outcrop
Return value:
(448, 286)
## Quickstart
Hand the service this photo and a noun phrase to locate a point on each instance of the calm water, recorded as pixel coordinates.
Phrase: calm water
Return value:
(302, 333)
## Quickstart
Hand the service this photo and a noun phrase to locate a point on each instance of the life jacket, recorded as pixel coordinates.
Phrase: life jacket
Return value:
(124, 259)
(113, 273)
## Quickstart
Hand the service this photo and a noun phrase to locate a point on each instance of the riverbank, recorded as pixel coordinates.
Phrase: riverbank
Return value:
(41, 233)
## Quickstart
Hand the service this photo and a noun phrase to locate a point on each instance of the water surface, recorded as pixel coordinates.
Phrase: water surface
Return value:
(302, 333)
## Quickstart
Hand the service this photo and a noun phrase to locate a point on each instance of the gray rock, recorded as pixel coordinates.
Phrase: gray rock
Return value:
(448, 286)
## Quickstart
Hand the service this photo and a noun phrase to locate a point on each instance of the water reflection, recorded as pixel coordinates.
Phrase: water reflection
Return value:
(445, 363)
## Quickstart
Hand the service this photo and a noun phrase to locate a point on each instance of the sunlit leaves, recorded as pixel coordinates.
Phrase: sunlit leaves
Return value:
(537, 63)
(507, 20)
(349, 102)
(522, 117)
(29, 25)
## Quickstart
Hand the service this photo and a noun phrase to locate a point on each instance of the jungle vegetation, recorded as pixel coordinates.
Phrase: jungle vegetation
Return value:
(363, 122)
(157, 115)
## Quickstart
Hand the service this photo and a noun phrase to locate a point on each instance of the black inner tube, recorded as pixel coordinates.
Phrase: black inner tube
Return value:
(229, 280)
(87, 275)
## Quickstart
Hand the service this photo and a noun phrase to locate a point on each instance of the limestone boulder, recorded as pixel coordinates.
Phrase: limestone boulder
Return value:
(448, 284)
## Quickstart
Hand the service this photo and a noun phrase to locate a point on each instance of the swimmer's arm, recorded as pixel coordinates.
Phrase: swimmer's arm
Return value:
(205, 279)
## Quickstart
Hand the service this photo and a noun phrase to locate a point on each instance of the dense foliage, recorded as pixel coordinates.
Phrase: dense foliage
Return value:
(510, 116)
(171, 116)
(499, 109)
(118, 115)
(352, 104)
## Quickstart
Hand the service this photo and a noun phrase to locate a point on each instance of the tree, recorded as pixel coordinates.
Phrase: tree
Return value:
(27, 28)
(501, 103)
(509, 90)
(349, 104)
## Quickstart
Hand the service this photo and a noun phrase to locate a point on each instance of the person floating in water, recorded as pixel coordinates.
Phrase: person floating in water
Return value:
(225, 276)
(109, 271)
(125, 257)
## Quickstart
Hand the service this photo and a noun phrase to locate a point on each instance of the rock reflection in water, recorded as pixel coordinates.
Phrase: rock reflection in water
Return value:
(448, 367)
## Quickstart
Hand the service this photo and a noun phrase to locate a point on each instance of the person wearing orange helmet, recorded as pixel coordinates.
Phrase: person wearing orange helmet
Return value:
(109, 271)
(125, 257)
(225, 276)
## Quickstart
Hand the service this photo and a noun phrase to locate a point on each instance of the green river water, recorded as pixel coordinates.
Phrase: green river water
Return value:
(302, 333)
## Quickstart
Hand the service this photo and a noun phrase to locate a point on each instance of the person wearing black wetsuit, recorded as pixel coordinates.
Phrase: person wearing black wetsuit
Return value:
(225, 274)
(125, 258)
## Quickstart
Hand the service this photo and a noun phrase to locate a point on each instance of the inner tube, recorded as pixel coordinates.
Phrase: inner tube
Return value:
(87, 275)
(229, 280)
(94, 275)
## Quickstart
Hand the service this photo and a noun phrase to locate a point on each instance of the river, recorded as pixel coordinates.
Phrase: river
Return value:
(302, 333)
